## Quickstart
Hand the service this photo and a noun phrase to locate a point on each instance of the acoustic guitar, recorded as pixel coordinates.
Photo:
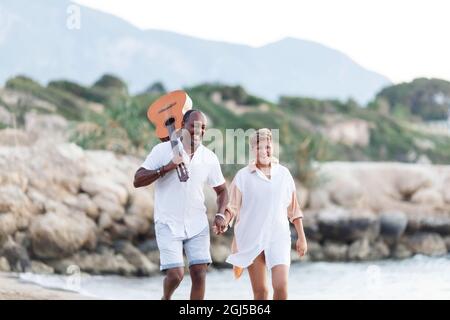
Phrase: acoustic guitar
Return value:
(166, 113)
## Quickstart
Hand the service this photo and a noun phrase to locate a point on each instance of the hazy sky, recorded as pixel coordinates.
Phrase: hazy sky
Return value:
(401, 39)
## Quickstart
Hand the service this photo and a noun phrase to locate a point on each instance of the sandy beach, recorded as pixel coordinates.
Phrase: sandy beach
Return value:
(12, 288)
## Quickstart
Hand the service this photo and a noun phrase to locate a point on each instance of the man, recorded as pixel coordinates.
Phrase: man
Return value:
(180, 212)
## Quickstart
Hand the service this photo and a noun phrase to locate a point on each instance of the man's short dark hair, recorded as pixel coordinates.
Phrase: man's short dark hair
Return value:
(188, 114)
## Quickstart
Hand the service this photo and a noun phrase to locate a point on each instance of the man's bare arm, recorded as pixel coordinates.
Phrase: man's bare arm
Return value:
(222, 197)
(144, 177)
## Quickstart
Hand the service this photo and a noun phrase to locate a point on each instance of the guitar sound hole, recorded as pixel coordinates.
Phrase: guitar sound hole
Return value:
(170, 122)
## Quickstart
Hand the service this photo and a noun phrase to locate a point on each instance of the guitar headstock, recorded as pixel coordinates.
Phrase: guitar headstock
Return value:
(169, 108)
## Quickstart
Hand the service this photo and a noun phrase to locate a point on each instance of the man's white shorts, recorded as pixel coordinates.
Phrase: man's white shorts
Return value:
(197, 248)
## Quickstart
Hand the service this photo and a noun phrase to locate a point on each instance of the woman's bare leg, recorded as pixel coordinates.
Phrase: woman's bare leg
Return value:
(258, 277)
(280, 275)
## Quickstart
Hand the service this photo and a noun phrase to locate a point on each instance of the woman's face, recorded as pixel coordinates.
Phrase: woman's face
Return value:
(263, 151)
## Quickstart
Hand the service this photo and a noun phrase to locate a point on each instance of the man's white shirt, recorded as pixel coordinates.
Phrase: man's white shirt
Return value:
(181, 205)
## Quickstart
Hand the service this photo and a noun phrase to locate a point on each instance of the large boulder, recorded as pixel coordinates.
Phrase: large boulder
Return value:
(104, 185)
(83, 202)
(345, 226)
(333, 251)
(17, 256)
(393, 224)
(138, 225)
(359, 250)
(142, 202)
(4, 265)
(14, 200)
(56, 235)
(430, 244)
(144, 267)
(109, 204)
(438, 224)
(7, 224)
(429, 196)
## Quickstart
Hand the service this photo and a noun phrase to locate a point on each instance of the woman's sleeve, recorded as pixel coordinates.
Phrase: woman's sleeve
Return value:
(293, 210)
(235, 201)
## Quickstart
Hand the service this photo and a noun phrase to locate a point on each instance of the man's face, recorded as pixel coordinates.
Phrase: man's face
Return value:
(195, 128)
(263, 151)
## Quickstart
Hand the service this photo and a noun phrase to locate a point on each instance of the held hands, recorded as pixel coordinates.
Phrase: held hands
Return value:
(301, 246)
(220, 225)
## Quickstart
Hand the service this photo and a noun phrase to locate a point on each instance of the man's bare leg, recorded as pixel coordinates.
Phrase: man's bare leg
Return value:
(258, 277)
(171, 281)
(198, 277)
(280, 275)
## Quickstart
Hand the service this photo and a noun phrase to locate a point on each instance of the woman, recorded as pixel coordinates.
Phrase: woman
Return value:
(262, 199)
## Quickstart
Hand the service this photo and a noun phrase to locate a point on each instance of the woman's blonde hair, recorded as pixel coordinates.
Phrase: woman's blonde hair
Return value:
(261, 134)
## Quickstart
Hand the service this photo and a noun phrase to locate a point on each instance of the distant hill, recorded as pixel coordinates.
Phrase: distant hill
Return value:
(428, 99)
(34, 40)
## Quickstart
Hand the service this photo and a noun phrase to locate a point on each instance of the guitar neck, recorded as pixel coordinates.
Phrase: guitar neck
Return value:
(172, 136)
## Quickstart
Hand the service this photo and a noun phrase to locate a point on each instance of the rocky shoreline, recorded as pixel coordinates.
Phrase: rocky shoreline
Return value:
(63, 207)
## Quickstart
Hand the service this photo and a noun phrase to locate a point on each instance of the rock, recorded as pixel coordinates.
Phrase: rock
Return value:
(430, 244)
(219, 253)
(311, 229)
(7, 224)
(345, 191)
(447, 242)
(335, 251)
(105, 221)
(302, 195)
(107, 203)
(319, 199)
(379, 251)
(120, 231)
(55, 235)
(429, 196)
(359, 250)
(17, 256)
(341, 225)
(392, 224)
(14, 137)
(410, 180)
(84, 203)
(144, 267)
(14, 200)
(437, 224)
(148, 246)
(22, 239)
(5, 117)
(446, 193)
(137, 225)
(142, 203)
(315, 251)
(153, 256)
(41, 268)
(106, 263)
(400, 251)
(4, 265)
(48, 126)
(104, 185)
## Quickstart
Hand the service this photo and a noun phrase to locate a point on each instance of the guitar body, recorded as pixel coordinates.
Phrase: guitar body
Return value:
(170, 106)
(166, 113)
